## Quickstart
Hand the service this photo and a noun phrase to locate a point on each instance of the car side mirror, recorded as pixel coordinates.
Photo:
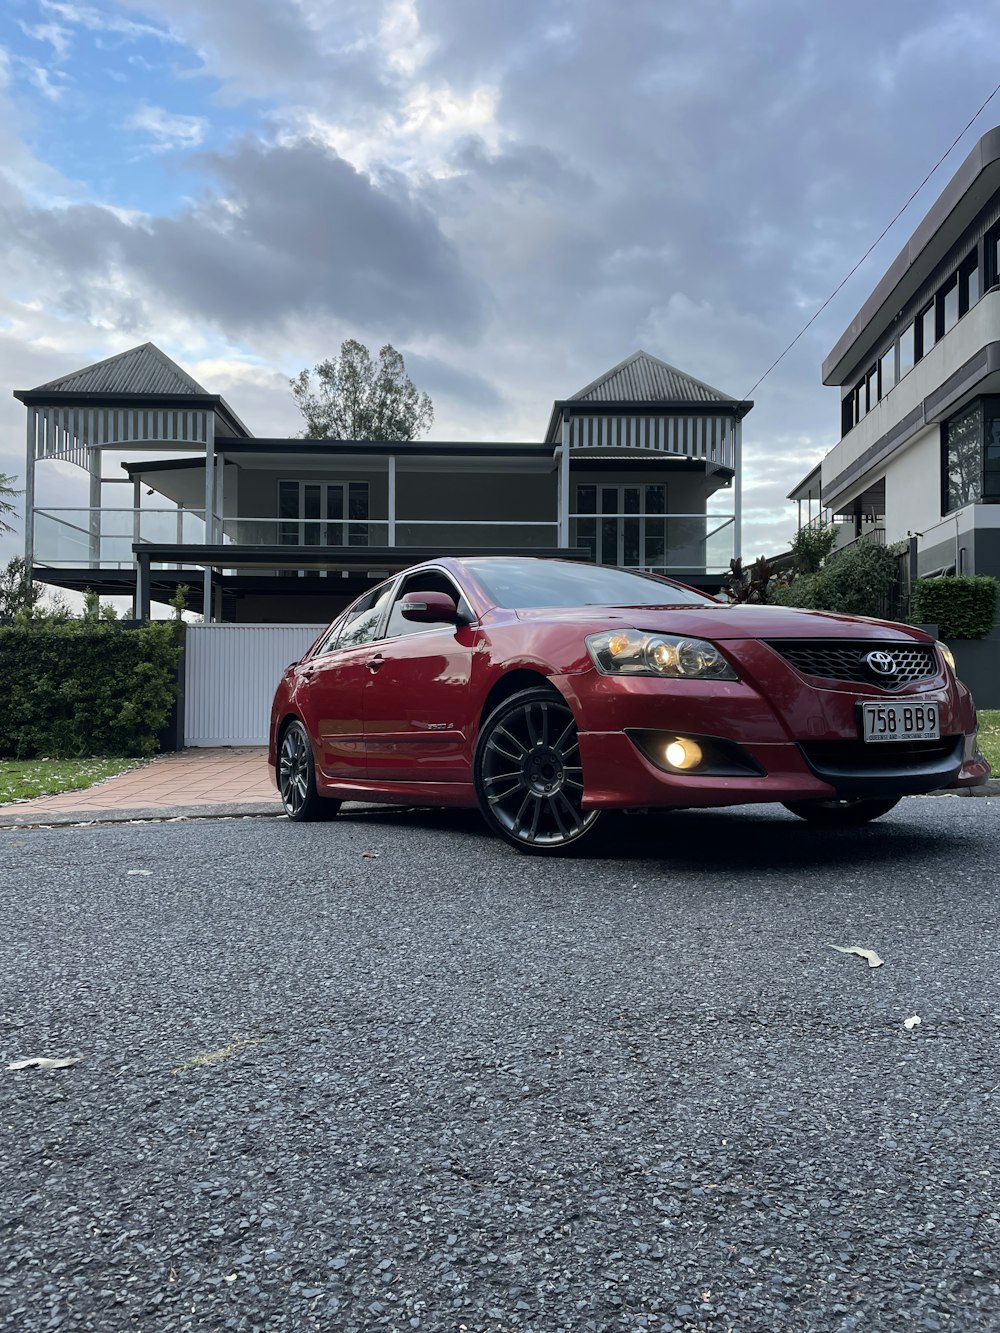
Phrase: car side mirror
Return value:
(430, 608)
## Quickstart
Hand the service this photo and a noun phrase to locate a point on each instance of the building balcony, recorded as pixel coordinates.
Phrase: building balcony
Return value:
(686, 544)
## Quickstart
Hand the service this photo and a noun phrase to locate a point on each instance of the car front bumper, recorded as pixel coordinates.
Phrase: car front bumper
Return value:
(802, 740)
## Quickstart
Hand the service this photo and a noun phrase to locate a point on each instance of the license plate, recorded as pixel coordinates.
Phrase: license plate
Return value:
(900, 722)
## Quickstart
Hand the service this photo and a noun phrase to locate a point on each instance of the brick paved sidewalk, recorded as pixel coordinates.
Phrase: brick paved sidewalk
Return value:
(193, 778)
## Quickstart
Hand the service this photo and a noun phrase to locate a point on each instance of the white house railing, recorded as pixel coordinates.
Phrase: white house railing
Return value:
(103, 538)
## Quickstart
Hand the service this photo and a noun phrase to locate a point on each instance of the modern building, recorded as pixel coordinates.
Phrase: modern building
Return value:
(641, 469)
(918, 370)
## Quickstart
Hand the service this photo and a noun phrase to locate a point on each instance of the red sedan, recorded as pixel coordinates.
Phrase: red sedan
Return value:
(545, 692)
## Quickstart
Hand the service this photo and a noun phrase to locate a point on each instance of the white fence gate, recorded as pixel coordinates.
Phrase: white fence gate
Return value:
(229, 679)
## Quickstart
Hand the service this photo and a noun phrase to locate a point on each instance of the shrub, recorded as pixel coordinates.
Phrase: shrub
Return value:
(857, 582)
(963, 606)
(811, 546)
(85, 688)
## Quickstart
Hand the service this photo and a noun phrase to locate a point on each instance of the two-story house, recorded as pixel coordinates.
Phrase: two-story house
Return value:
(918, 370)
(641, 469)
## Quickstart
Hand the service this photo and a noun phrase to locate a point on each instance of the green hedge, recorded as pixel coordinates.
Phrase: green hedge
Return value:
(78, 689)
(963, 606)
(856, 582)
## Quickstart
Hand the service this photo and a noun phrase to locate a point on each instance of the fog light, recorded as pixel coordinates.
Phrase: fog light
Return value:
(683, 754)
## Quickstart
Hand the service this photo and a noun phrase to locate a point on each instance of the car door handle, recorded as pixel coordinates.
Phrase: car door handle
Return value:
(307, 672)
(375, 662)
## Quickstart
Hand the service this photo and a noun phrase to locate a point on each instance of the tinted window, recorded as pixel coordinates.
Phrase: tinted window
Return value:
(533, 583)
(963, 442)
(887, 366)
(925, 329)
(906, 350)
(361, 622)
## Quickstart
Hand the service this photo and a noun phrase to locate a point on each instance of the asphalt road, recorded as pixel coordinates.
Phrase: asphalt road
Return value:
(452, 1088)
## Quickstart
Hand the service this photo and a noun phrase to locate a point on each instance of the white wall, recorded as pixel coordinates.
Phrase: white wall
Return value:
(913, 486)
(230, 675)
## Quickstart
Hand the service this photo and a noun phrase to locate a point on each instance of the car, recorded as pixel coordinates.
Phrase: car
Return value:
(546, 692)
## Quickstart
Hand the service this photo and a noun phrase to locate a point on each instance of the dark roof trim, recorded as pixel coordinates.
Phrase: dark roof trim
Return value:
(980, 172)
(332, 448)
(336, 557)
(937, 405)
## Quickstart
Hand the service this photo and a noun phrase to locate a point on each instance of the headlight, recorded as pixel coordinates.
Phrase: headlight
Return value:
(947, 654)
(631, 652)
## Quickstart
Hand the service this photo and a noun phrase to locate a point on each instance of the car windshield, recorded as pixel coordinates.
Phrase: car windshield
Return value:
(522, 584)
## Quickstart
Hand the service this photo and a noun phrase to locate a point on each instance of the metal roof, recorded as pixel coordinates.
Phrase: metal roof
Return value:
(642, 378)
(140, 370)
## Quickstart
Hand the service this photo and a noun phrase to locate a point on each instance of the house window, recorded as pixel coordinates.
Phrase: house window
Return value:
(628, 526)
(925, 331)
(860, 401)
(947, 306)
(873, 393)
(968, 284)
(991, 449)
(906, 350)
(323, 513)
(887, 369)
(963, 458)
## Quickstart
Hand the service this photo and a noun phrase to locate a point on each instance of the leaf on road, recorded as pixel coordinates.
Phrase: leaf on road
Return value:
(43, 1062)
(371, 856)
(214, 1057)
(869, 954)
(911, 1023)
(230, 1277)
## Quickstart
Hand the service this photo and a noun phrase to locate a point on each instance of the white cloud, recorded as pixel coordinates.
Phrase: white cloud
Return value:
(43, 80)
(102, 20)
(58, 37)
(168, 131)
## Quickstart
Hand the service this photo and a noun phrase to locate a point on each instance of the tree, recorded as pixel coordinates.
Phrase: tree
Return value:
(18, 594)
(359, 399)
(7, 494)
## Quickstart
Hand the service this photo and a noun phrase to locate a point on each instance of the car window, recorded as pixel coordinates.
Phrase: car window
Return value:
(329, 639)
(361, 622)
(523, 584)
(428, 580)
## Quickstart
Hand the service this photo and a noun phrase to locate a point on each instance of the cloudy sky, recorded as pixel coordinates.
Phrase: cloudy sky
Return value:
(515, 193)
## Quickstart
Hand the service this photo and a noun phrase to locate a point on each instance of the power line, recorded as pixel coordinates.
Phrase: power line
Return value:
(874, 243)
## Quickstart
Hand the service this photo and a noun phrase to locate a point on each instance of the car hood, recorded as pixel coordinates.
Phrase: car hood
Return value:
(730, 622)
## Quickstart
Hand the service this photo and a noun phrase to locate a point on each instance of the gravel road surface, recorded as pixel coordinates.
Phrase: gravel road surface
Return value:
(387, 1074)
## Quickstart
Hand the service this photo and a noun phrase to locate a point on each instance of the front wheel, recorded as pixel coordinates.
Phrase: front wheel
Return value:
(297, 779)
(528, 775)
(841, 814)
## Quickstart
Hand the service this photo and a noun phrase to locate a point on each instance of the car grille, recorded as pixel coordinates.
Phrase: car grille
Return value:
(840, 660)
(856, 756)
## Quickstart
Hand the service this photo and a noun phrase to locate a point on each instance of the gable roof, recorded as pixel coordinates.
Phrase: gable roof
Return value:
(642, 378)
(141, 370)
(644, 385)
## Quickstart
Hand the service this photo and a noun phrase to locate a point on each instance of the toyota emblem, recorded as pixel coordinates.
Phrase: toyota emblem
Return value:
(882, 663)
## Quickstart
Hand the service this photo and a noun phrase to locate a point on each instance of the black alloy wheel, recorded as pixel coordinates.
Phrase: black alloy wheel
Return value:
(841, 814)
(528, 775)
(297, 779)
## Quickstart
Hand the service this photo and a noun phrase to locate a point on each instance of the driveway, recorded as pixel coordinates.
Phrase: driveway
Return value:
(385, 1074)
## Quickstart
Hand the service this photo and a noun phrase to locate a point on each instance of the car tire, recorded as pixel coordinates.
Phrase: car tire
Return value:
(841, 814)
(297, 778)
(528, 776)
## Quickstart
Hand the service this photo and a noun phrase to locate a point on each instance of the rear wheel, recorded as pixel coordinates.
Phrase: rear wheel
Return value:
(841, 813)
(297, 779)
(528, 775)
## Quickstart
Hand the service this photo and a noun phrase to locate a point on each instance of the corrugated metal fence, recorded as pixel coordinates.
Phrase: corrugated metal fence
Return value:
(230, 675)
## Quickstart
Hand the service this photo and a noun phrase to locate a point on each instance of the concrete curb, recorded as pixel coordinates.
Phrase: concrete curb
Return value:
(153, 814)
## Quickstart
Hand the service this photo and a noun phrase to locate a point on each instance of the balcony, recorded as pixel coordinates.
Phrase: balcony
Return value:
(103, 539)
